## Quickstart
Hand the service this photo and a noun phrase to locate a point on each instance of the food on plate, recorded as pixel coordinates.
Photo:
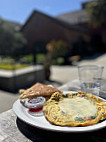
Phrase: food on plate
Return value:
(35, 97)
(74, 109)
(37, 90)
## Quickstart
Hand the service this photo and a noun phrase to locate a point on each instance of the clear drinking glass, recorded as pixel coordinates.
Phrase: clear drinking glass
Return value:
(90, 77)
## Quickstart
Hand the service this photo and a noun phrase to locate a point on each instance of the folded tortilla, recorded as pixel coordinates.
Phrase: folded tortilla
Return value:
(36, 90)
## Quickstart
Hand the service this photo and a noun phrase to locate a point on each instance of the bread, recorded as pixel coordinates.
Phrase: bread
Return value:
(36, 90)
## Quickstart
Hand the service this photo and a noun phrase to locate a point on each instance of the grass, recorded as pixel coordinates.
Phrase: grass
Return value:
(8, 63)
(60, 61)
(12, 67)
(40, 57)
(29, 58)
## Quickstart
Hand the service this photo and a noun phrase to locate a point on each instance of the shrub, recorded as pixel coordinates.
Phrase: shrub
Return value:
(57, 48)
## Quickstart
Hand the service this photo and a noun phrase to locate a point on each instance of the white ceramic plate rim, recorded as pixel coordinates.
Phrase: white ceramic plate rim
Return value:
(41, 122)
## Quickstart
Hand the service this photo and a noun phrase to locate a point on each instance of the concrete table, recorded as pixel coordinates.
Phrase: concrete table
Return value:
(12, 129)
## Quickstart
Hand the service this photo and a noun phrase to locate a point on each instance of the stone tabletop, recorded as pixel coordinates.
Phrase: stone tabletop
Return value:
(12, 129)
(9, 131)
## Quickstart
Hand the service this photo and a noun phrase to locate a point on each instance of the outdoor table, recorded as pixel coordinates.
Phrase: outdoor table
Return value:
(12, 129)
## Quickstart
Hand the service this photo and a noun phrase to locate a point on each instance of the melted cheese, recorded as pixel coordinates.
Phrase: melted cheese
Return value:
(78, 107)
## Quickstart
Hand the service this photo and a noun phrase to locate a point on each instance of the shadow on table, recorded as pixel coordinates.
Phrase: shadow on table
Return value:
(40, 135)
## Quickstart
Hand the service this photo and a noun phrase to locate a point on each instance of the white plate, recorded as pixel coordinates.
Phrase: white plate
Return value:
(41, 122)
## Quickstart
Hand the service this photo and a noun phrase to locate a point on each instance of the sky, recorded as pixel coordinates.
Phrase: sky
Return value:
(20, 10)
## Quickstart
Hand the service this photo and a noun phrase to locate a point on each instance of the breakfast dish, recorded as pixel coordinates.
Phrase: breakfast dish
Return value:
(42, 123)
(71, 109)
(74, 109)
(37, 90)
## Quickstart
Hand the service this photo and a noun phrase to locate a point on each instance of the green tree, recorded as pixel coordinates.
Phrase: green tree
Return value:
(58, 48)
(97, 13)
(10, 40)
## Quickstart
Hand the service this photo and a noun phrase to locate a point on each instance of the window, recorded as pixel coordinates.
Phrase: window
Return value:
(37, 21)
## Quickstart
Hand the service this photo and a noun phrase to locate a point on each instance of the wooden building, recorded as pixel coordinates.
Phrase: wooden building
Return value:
(41, 29)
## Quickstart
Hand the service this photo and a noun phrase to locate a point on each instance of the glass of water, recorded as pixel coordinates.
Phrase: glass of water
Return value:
(90, 77)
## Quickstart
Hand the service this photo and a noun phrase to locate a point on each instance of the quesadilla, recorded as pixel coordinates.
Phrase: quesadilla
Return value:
(36, 90)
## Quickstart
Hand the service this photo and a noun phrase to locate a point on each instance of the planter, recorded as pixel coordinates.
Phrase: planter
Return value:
(22, 78)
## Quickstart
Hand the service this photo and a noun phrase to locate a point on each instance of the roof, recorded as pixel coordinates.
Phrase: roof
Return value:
(56, 20)
(76, 17)
(10, 24)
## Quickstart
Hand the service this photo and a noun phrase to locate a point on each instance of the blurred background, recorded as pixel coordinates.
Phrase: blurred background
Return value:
(44, 41)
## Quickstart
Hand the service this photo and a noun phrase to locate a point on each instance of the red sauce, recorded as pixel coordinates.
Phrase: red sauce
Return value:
(36, 109)
(89, 119)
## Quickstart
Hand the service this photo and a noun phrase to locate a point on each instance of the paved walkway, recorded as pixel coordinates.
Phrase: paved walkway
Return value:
(60, 74)
(6, 100)
(64, 74)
